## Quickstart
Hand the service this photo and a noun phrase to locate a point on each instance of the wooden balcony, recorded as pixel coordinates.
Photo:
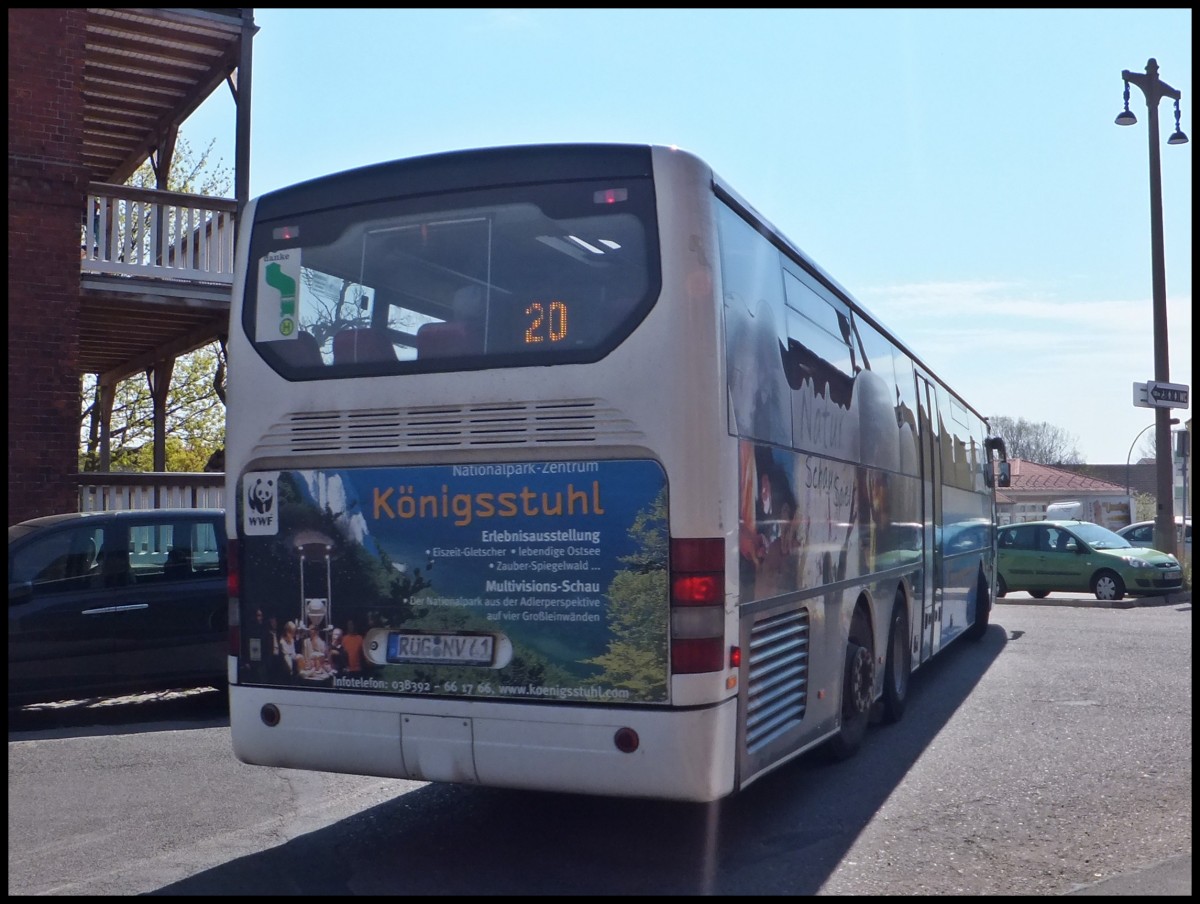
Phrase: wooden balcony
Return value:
(156, 273)
(158, 234)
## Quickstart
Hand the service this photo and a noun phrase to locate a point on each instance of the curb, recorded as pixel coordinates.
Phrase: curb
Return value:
(1135, 602)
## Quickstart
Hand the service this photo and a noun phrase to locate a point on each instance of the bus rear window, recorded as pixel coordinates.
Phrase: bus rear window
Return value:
(542, 274)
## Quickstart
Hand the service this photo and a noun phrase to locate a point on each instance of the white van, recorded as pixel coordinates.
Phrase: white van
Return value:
(1064, 511)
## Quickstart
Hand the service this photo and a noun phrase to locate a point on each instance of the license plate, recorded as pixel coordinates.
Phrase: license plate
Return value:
(1173, 574)
(457, 649)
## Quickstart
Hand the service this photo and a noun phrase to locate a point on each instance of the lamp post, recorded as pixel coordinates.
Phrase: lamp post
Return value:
(1155, 90)
(1183, 515)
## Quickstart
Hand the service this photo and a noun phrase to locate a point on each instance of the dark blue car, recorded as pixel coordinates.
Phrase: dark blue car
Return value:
(105, 603)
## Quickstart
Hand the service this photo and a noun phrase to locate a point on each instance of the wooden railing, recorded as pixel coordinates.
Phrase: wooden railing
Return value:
(110, 491)
(144, 232)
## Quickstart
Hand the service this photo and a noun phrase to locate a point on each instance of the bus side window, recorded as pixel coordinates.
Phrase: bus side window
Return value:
(801, 364)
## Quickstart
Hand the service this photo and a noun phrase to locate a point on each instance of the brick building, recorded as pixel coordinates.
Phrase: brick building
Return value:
(47, 187)
(93, 93)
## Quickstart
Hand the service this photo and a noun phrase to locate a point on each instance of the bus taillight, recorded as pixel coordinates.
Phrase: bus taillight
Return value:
(697, 605)
(233, 589)
(697, 589)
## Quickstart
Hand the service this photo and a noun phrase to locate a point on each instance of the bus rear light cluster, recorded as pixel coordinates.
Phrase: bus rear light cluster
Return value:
(697, 606)
(233, 587)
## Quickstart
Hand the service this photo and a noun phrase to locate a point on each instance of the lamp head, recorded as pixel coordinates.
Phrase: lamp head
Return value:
(1125, 118)
(1178, 137)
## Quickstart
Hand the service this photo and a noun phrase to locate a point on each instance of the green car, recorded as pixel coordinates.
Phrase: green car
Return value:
(1043, 557)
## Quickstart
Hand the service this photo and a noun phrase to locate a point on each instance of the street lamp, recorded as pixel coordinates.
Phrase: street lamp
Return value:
(1183, 449)
(1155, 90)
(1128, 491)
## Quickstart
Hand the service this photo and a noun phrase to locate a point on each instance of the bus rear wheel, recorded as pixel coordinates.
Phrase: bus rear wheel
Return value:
(983, 607)
(899, 664)
(858, 686)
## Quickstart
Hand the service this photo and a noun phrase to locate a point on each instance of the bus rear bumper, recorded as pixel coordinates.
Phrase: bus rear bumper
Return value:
(681, 754)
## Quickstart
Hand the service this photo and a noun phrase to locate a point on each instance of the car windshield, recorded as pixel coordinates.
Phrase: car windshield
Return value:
(1099, 537)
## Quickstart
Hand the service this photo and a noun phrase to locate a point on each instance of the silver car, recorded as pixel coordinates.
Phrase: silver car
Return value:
(1141, 533)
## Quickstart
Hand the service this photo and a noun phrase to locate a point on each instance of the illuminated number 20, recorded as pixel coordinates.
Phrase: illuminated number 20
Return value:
(545, 324)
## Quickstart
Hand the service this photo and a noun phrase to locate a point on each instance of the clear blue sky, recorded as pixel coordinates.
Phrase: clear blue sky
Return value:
(958, 171)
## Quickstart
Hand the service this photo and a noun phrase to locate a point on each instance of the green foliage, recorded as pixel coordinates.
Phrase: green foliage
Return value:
(1039, 442)
(637, 655)
(195, 418)
(190, 172)
(1144, 507)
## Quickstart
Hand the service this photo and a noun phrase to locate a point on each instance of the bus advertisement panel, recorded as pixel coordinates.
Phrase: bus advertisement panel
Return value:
(534, 580)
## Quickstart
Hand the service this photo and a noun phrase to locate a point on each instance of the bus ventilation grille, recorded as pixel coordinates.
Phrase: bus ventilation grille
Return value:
(580, 422)
(778, 682)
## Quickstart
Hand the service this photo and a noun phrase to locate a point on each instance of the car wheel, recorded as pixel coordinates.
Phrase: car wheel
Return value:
(858, 684)
(1039, 594)
(983, 609)
(899, 664)
(1107, 585)
(1001, 587)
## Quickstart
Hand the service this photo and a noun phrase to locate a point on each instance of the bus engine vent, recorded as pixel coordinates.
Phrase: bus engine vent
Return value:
(778, 681)
(579, 422)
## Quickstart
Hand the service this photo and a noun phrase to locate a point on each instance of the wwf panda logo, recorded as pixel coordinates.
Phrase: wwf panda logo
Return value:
(261, 496)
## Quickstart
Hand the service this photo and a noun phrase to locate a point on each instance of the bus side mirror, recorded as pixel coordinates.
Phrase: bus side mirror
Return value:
(995, 444)
(1005, 478)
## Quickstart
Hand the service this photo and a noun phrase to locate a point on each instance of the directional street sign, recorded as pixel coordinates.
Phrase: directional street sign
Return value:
(1160, 395)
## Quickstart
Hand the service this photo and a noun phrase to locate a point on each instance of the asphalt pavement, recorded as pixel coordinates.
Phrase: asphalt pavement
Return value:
(1171, 877)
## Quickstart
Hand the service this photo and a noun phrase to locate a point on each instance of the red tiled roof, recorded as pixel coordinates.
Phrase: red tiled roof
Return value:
(1031, 477)
(1139, 476)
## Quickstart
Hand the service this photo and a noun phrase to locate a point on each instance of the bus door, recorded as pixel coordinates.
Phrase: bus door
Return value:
(931, 518)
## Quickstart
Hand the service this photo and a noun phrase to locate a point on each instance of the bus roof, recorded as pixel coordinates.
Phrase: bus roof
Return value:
(471, 168)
